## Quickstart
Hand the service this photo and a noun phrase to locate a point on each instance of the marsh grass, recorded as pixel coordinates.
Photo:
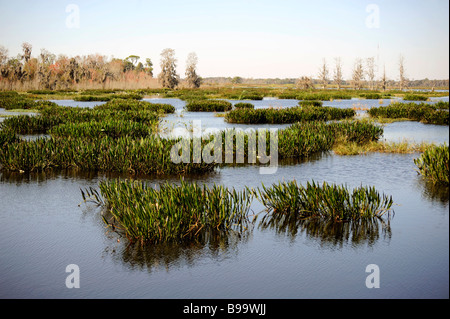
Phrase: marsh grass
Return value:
(353, 148)
(423, 112)
(170, 213)
(287, 115)
(208, 106)
(433, 164)
(288, 200)
(243, 105)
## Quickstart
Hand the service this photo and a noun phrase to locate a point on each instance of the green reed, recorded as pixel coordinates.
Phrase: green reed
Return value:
(126, 105)
(243, 105)
(53, 116)
(328, 201)
(287, 115)
(170, 213)
(8, 136)
(113, 128)
(149, 156)
(415, 97)
(423, 112)
(433, 164)
(208, 106)
(310, 103)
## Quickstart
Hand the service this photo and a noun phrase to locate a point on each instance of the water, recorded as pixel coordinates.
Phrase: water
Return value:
(43, 229)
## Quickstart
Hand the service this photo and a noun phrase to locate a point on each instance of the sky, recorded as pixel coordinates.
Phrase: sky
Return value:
(247, 38)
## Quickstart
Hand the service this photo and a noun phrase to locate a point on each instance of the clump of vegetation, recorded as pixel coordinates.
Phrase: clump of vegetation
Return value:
(288, 115)
(242, 105)
(108, 97)
(423, 112)
(415, 97)
(171, 213)
(288, 200)
(310, 103)
(433, 164)
(208, 106)
(125, 105)
(371, 96)
(113, 128)
(8, 136)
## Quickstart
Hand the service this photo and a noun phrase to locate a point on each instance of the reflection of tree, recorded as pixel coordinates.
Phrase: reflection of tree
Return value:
(217, 246)
(330, 232)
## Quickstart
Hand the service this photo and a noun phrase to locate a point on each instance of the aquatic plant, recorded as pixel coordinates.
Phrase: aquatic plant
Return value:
(8, 136)
(287, 115)
(423, 112)
(125, 105)
(310, 103)
(242, 105)
(208, 106)
(433, 164)
(328, 201)
(170, 213)
(415, 97)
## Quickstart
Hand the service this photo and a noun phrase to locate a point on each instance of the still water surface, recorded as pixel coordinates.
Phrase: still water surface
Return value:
(43, 229)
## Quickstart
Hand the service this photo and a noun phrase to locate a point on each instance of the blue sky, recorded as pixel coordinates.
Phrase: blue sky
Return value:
(249, 38)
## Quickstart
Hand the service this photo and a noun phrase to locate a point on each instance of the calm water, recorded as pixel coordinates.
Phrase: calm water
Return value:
(43, 229)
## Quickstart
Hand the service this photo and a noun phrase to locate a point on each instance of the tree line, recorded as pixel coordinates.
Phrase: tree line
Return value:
(48, 71)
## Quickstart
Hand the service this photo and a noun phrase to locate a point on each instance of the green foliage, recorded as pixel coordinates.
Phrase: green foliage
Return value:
(287, 115)
(414, 97)
(433, 164)
(170, 213)
(290, 201)
(423, 112)
(310, 103)
(242, 105)
(208, 106)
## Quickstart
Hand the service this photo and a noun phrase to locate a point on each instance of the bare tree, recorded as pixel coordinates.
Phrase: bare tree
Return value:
(337, 77)
(358, 74)
(323, 74)
(370, 64)
(304, 83)
(401, 70)
(168, 76)
(192, 79)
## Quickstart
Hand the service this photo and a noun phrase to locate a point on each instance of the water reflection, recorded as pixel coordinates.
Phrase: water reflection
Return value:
(328, 232)
(438, 193)
(216, 246)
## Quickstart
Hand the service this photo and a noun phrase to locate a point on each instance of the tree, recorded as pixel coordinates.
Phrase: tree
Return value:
(237, 80)
(304, 83)
(26, 48)
(401, 70)
(358, 74)
(337, 77)
(149, 66)
(370, 64)
(168, 77)
(323, 74)
(192, 79)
